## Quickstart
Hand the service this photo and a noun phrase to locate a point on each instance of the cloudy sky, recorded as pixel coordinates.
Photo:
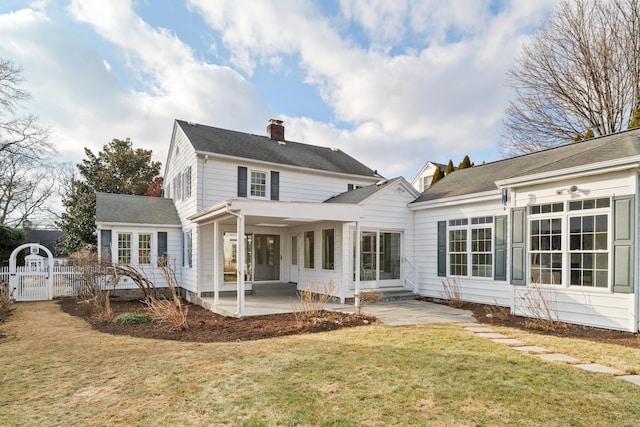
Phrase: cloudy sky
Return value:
(392, 83)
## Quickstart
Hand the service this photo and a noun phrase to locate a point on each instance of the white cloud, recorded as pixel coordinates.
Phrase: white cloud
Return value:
(425, 84)
(77, 90)
(447, 93)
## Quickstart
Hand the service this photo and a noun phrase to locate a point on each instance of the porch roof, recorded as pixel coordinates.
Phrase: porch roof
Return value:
(277, 213)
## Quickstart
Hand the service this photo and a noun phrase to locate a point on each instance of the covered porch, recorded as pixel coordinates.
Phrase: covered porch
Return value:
(282, 242)
(278, 298)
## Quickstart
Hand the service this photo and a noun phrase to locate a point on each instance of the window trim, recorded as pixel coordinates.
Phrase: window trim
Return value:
(130, 248)
(565, 216)
(267, 183)
(149, 248)
(468, 224)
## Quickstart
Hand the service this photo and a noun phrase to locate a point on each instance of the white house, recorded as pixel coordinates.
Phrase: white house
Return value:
(297, 206)
(557, 225)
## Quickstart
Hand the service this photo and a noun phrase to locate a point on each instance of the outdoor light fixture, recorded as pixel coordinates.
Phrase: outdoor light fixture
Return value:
(571, 189)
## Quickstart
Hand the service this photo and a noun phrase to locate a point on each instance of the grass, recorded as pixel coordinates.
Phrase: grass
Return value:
(55, 370)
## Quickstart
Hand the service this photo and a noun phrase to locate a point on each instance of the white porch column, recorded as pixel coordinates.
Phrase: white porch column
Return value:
(357, 266)
(216, 263)
(240, 256)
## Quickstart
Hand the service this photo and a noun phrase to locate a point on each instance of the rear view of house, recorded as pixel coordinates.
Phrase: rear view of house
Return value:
(261, 209)
(557, 227)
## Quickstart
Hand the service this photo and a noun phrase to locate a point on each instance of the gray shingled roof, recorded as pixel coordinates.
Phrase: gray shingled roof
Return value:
(360, 194)
(483, 177)
(209, 139)
(123, 208)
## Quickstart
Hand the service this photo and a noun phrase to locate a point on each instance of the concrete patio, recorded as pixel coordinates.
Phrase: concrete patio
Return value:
(278, 298)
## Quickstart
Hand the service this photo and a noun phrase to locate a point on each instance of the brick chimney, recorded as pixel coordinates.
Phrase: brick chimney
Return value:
(275, 130)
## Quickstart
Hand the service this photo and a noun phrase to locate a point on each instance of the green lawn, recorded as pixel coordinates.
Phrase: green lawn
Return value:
(55, 370)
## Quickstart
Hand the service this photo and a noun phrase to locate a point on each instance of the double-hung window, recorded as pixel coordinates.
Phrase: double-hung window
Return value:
(258, 186)
(589, 243)
(471, 247)
(186, 178)
(545, 243)
(569, 244)
(144, 248)
(481, 247)
(124, 248)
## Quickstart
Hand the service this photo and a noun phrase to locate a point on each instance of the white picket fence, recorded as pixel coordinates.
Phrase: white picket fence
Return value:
(31, 285)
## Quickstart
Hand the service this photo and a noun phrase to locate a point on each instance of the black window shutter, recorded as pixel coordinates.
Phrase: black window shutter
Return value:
(623, 243)
(518, 246)
(442, 248)
(242, 181)
(275, 185)
(162, 244)
(105, 243)
(349, 187)
(500, 257)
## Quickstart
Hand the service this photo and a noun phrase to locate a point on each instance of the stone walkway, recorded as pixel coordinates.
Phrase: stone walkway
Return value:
(544, 354)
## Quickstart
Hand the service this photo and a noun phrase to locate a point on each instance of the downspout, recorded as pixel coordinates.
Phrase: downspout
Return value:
(357, 266)
(240, 256)
(202, 181)
(636, 279)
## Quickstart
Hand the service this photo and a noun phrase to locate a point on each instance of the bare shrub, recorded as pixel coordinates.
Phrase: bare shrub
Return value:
(451, 292)
(91, 286)
(311, 301)
(170, 311)
(367, 297)
(101, 306)
(5, 296)
(86, 285)
(541, 304)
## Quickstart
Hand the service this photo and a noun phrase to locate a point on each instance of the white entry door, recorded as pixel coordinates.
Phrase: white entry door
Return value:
(294, 259)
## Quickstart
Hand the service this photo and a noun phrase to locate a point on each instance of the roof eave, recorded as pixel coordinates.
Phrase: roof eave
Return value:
(484, 196)
(582, 170)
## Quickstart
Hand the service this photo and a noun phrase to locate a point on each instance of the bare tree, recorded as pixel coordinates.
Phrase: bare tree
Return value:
(26, 184)
(18, 133)
(580, 73)
(26, 181)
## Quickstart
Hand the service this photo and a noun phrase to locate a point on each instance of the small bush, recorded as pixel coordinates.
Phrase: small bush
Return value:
(451, 292)
(132, 318)
(5, 296)
(311, 302)
(367, 297)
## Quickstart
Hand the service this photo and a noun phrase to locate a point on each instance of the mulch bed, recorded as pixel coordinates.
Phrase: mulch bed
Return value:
(500, 316)
(206, 326)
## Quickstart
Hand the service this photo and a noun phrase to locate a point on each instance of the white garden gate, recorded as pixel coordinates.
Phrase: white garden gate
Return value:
(28, 283)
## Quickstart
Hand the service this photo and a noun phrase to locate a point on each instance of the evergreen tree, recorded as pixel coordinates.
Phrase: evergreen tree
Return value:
(635, 120)
(10, 238)
(118, 168)
(465, 163)
(437, 175)
(449, 168)
(588, 134)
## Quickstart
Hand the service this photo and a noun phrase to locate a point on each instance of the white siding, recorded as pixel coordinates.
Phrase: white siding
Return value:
(150, 270)
(220, 178)
(588, 306)
(481, 290)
